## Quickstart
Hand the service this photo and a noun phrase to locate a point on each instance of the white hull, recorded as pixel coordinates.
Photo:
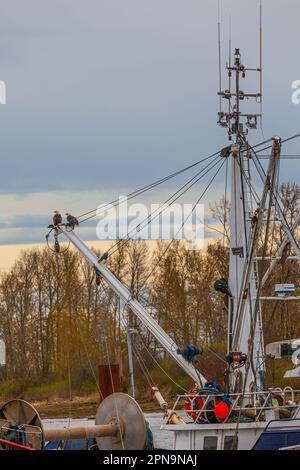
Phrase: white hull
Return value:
(194, 436)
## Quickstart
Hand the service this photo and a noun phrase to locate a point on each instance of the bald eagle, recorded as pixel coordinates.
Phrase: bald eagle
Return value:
(72, 221)
(57, 218)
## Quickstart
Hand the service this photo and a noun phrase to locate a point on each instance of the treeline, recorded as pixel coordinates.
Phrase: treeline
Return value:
(57, 322)
(54, 318)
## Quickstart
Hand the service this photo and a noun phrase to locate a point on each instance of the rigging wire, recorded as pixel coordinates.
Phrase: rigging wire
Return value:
(139, 356)
(173, 198)
(162, 369)
(143, 367)
(169, 245)
(225, 202)
(276, 194)
(203, 346)
(257, 302)
(241, 162)
(143, 189)
(157, 363)
(141, 361)
(170, 197)
(250, 186)
(288, 139)
(284, 140)
(275, 212)
(184, 222)
(154, 326)
(171, 242)
(273, 193)
(282, 157)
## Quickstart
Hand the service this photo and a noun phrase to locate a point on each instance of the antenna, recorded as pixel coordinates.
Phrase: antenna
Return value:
(261, 67)
(219, 48)
(234, 120)
(229, 75)
(260, 50)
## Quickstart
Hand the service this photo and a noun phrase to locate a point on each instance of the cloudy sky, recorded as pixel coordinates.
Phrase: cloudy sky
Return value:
(104, 96)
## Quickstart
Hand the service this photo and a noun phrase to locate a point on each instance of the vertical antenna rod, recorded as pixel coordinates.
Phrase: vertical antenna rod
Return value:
(219, 48)
(229, 74)
(260, 68)
(260, 50)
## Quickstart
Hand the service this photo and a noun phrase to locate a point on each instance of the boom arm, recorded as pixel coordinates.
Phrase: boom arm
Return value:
(162, 337)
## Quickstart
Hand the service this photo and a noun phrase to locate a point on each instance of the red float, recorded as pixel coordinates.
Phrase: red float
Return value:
(221, 410)
(193, 406)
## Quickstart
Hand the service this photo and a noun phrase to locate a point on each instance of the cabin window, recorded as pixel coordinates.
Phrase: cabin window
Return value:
(230, 443)
(210, 443)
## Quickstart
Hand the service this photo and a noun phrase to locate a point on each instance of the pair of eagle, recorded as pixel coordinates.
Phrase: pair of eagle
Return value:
(57, 219)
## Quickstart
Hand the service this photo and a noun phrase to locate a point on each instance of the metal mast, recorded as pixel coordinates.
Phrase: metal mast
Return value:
(245, 340)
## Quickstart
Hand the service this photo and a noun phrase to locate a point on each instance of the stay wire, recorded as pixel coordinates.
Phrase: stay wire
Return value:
(225, 202)
(275, 192)
(184, 222)
(143, 189)
(288, 139)
(158, 182)
(171, 199)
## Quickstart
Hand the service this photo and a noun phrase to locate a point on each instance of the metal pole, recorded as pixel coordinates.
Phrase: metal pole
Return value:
(15, 445)
(130, 332)
(82, 432)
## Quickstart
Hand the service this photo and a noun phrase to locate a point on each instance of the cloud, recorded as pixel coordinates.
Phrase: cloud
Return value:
(105, 97)
(114, 92)
(25, 219)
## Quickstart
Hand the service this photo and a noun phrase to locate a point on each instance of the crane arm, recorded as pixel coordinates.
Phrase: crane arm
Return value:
(122, 292)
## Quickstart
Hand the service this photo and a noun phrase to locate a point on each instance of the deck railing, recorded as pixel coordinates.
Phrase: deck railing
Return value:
(249, 405)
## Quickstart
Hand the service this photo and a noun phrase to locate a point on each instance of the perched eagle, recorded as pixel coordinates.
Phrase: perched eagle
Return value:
(57, 218)
(72, 221)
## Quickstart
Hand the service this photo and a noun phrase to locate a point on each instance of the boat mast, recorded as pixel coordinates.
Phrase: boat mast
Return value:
(244, 372)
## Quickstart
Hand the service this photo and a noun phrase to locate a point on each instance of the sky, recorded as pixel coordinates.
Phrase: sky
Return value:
(105, 96)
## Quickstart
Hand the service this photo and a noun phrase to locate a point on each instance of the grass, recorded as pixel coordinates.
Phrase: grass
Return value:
(51, 398)
(80, 408)
(8, 388)
(46, 392)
